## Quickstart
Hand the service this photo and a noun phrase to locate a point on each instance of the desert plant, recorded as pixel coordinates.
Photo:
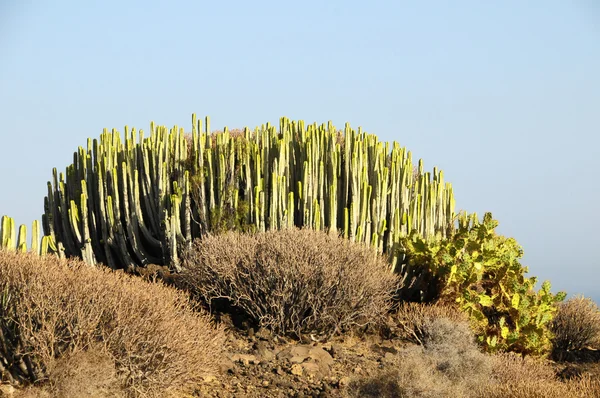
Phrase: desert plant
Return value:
(576, 324)
(84, 373)
(517, 377)
(51, 308)
(480, 271)
(448, 364)
(143, 199)
(292, 281)
(9, 240)
(411, 320)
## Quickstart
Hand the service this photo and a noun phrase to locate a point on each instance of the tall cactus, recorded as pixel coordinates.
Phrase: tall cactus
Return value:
(143, 199)
(10, 240)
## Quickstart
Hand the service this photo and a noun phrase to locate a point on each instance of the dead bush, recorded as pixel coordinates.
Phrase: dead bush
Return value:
(576, 325)
(412, 377)
(512, 367)
(292, 281)
(89, 373)
(410, 321)
(447, 364)
(52, 308)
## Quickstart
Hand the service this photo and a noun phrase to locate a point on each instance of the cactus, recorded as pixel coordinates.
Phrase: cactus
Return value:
(480, 271)
(128, 202)
(10, 240)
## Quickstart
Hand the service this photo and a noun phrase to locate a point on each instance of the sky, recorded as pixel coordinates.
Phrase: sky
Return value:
(503, 96)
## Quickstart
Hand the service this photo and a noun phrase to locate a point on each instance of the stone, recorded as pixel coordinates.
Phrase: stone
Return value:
(301, 353)
(245, 359)
(296, 369)
(311, 368)
(264, 352)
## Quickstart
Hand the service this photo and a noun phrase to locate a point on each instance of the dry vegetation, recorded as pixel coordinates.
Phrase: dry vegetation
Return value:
(448, 363)
(69, 330)
(517, 377)
(292, 282)
(412, 321)
(576, 325)
(54, 309)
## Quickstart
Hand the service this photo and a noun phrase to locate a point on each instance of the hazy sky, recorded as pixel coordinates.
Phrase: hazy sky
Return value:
(503, 96)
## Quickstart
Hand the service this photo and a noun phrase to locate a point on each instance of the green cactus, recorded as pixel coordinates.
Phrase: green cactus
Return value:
(10, 240)
(7, 233)
(480, 271)
(142, 198)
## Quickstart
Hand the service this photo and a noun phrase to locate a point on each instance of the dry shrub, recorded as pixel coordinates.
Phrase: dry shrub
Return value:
(52, 308)
(89, 373)
(576, 325)
(293, 281)
(514, 367)
(448, 364)
(412, 377)
(411, 319)
(518, 377)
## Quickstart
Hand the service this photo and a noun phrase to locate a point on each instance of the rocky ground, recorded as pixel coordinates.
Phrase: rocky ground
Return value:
(262, 365)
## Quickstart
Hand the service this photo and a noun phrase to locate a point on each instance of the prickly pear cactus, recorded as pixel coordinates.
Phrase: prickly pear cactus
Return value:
(480, 271)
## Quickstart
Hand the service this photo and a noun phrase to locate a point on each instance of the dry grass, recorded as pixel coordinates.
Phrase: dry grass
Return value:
(292, 281)
(53, 309)
(576, 325)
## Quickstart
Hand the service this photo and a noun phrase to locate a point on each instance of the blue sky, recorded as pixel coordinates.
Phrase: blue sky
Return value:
(503, 96)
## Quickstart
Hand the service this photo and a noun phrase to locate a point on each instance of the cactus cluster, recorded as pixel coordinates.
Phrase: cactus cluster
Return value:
(143, 199)
(11, 240)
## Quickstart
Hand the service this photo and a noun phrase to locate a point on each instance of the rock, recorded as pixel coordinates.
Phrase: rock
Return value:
(265, 383)
(245, 359)
(311, 368)
(296, 369)
(301, 353)
(335, 350)
(263, 351)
